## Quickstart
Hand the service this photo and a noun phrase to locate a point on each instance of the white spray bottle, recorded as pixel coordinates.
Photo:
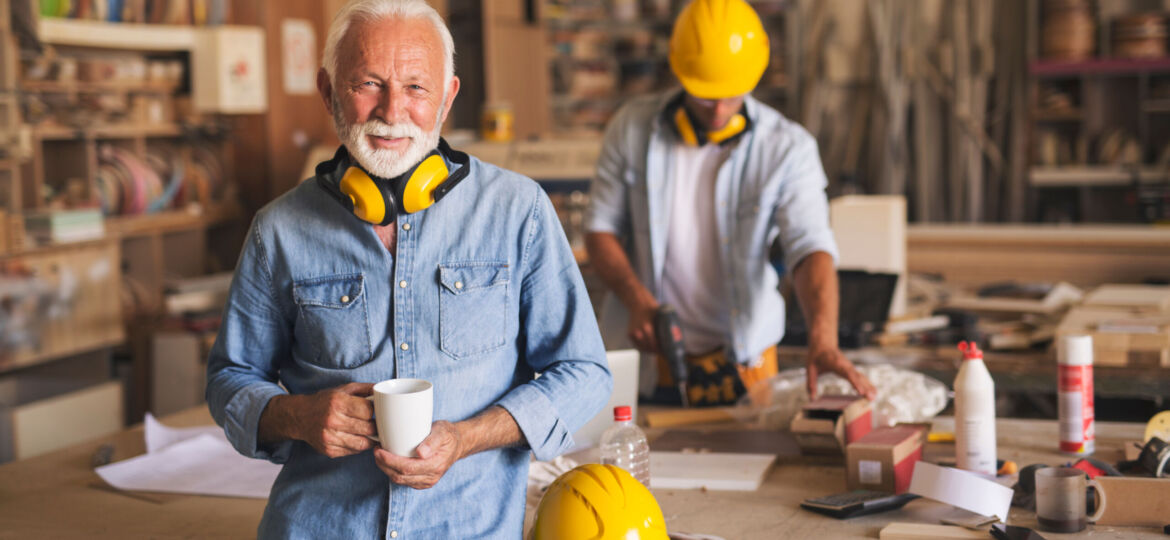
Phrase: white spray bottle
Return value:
(974, 413)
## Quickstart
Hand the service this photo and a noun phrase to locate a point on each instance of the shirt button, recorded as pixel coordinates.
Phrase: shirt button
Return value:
(344, 299)
(405, 347)
(393, 534)
(405, 227)
(458, 284)
(402, 284)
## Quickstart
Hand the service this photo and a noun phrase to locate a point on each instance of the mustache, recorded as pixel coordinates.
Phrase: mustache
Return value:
(378, 128)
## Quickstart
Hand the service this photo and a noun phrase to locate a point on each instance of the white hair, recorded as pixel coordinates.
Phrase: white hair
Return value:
(376, 10)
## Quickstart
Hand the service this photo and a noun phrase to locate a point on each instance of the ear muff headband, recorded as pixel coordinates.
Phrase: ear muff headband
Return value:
(687, 127)
(381, 201)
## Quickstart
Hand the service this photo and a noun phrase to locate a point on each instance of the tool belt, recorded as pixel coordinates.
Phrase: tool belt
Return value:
(713, 379)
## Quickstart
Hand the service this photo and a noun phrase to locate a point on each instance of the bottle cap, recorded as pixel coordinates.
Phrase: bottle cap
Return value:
(622, 413)
(970, 350)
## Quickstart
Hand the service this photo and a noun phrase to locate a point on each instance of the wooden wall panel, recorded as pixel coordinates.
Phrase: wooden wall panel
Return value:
(515, 58)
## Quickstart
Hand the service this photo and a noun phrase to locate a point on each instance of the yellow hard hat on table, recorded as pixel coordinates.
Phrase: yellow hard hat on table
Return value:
(718, 48)
(601, 502)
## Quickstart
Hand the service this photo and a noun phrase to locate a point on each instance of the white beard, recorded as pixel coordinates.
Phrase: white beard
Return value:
(384, 163)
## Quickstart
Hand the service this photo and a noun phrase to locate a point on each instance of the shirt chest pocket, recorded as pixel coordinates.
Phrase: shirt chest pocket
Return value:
(473, 308)
(332, 325)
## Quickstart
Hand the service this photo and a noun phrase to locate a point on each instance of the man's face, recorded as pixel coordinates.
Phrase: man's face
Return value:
(714, 114)
(388, 97)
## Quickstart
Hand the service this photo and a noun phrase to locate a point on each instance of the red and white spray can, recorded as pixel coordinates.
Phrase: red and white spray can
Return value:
(1074, 394)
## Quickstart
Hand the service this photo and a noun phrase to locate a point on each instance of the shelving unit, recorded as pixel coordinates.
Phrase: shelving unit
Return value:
(598, 59)
(72, 156)
(1100, 131)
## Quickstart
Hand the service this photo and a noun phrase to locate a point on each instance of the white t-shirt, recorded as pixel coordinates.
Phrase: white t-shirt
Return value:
(692, 278)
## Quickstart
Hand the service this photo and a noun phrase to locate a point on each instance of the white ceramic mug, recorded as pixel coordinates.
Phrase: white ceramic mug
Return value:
(403, 409)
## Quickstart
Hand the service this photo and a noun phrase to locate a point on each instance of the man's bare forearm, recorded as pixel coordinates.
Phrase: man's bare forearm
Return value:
(494, 428)
(815, 281)
(613, 266)
(278, 421)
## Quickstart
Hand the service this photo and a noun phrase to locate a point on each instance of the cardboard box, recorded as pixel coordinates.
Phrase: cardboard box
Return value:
(883, 460)
(826, 425)
(1134, 502)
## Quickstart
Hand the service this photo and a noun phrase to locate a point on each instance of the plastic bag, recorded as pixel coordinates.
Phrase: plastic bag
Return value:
(902, 395)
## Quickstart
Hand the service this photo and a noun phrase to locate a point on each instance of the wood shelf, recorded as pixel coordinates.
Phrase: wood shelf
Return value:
(60, 133)
(1100, 66)
(1083, 176)
(171, 220)
(67, 87)
(25, 360)
(149, 37)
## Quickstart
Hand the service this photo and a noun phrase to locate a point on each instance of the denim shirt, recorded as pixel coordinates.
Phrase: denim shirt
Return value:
(481, 294)
(772, 186)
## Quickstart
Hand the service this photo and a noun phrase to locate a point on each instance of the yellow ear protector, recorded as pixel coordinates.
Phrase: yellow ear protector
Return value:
(691, 132)
(379, 200)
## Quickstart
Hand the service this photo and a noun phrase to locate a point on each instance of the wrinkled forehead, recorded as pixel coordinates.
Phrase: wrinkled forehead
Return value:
(377, 44)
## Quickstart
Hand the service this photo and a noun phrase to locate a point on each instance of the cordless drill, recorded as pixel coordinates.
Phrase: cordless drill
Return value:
(668, 333)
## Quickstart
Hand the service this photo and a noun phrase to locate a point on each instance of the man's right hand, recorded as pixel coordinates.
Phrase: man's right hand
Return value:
(336, 421)
(641, 327)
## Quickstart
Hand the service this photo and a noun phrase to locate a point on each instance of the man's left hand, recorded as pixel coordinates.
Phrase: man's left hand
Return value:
(830, 360)
(436, 454)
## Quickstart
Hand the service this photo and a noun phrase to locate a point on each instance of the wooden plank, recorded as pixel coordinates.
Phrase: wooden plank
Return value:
(926, 531)
(65, 420)
(1085, 256)
(1153, 298)
(148, 37)
(682, 417)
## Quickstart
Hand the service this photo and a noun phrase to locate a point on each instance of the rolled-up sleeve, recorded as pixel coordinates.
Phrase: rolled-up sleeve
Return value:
(559, 340)
(608, 191)
(242, 368)
(802, 209)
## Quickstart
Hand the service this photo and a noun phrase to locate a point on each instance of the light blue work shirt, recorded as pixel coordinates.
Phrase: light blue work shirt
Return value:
(771, 186)
(482, 293)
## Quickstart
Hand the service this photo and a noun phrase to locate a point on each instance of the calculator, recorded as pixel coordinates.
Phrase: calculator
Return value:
(857, 503)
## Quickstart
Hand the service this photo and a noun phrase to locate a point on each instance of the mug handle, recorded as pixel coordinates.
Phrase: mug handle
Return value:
(1100, 510)
(373, 437)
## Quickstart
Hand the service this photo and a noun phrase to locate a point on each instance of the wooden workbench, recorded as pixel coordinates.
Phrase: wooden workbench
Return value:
(1014, 371)
(58, 495)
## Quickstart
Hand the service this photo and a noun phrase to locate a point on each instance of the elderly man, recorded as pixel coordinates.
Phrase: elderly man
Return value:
(350, 279)
(693, 187)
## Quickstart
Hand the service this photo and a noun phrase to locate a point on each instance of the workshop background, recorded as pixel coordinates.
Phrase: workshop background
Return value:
(1007, 161)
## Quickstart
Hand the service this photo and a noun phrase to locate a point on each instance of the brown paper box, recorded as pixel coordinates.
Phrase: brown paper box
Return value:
(884, 459)
(826, 425)
(1135, 502)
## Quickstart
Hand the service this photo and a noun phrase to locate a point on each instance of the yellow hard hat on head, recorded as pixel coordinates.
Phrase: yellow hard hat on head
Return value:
(718, 48)
(598, 502)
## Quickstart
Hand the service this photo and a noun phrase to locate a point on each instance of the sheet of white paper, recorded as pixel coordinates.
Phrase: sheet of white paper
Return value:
(963, 489)
(203, 465)
(159, 436)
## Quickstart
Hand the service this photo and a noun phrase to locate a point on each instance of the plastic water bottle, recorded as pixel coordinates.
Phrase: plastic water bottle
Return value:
(974, 413)
(625, 445)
